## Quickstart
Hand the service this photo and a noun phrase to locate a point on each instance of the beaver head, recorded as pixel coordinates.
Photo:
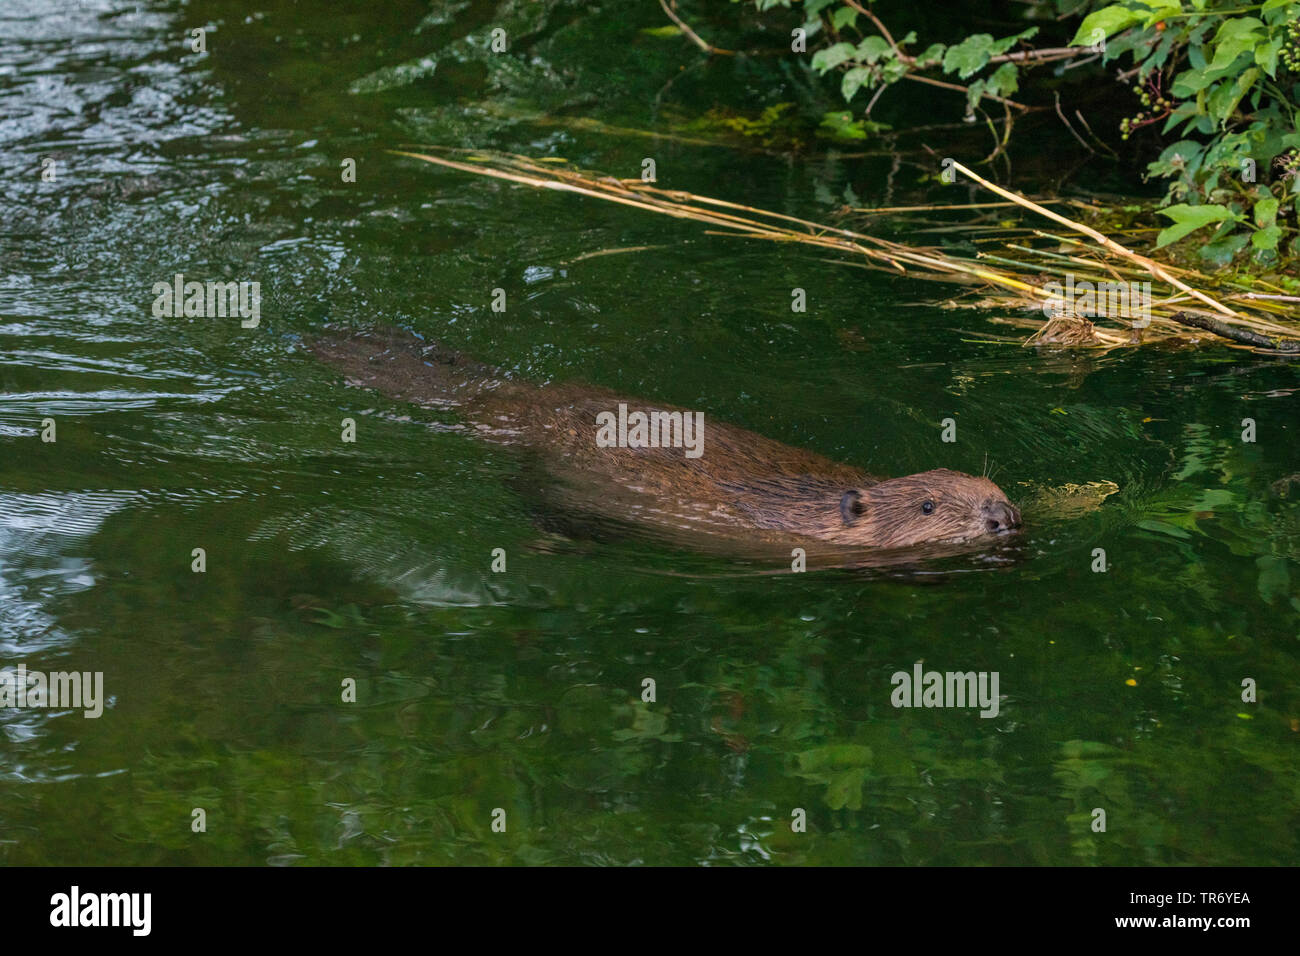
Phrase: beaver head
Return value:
(939, 505)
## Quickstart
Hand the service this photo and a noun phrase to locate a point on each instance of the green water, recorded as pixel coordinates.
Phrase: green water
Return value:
(522, 690)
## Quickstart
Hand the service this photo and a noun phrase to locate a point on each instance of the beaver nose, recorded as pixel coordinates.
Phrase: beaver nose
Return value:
(1000, 516)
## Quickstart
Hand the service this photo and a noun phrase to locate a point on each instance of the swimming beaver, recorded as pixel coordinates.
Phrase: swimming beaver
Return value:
(733, 483)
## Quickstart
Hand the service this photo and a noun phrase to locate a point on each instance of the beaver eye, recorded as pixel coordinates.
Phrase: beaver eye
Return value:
(927, 507)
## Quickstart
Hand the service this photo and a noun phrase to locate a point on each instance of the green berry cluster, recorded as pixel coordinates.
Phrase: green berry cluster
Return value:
(1154, 106)
(1290, 54)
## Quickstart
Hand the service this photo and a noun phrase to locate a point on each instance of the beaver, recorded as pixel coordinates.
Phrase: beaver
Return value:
(725, 481)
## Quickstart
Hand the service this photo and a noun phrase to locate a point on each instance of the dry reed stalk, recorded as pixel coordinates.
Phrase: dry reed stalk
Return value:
(1021, 289)
(1109, 244)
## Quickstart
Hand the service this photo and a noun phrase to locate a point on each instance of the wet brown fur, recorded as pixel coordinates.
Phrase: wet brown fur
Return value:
(743, 484)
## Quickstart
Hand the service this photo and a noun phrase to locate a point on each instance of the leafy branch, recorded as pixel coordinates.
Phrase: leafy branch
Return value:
(1231, 80)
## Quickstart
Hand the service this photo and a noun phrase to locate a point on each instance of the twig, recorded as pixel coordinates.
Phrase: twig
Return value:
(1210, 324)
(1081, 140)
(1100, 142)
(883, 87)
(1078, 63)
(692, 35)
(1045, 54)
(917, 78)
(884, 31)
(998, 147)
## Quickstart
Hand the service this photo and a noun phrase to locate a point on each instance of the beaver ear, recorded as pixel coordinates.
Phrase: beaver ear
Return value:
(851, 506)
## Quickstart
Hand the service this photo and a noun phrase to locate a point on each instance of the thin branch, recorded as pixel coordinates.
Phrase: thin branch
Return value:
(998, 147)
(917, 78)
(691, 34)
(884, 31)
(1046, 53)
(883, 87)
(1081, 140)
(1097, 139)
(1078, 63)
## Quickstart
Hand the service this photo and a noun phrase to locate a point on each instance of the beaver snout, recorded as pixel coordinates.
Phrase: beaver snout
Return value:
(1000, 516)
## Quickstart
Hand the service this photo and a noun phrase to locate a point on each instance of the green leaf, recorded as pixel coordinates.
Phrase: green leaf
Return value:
(1266, 55)
(853, 81)
(1235, 27)
(1159, 13)
(893, 70)
(1188, 219)
(968, 56)
(1183, 113)
(1177, 158)
(1266, 238)
(1162, 527)
(832, 56)
(932, 56)
(1235, 37)
(842, 126)
(833, 757)
(1006, 43)
(1109, 20)
(1223, 101)
(1221, 252)
(844, 15)
(1279, 11)
(872, 49)
(844, 791)
(1266, 212)
(1190, 82)
(1005, 80)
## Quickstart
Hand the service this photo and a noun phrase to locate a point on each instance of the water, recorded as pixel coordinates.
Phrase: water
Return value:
(522, 691)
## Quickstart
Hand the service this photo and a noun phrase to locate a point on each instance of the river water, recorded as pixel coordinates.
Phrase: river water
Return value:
(518, 696)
